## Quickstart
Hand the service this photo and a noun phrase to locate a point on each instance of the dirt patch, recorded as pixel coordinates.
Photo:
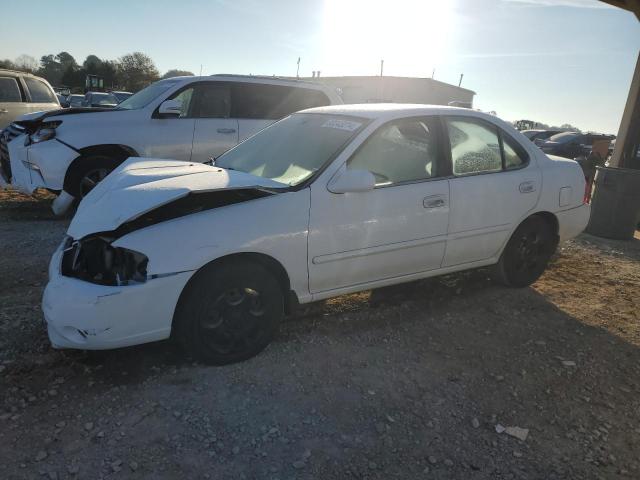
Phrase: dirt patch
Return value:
(403, 382)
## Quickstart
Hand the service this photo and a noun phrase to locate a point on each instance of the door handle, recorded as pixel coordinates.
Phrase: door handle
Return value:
(2, 110)
(433, 202)
(527, 187)
(226, 130)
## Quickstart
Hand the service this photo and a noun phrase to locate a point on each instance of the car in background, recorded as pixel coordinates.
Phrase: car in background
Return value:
(327, 201)
(121, 96)
(99, 100)
(75, 100)
(22, 93)
(539, 136)
(63, 100)
(185, 118)
(572, 144)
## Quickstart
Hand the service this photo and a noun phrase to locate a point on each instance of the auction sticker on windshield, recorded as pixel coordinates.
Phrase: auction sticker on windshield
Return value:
(348, 125)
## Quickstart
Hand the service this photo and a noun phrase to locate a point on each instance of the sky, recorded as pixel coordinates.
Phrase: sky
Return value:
(553, 61)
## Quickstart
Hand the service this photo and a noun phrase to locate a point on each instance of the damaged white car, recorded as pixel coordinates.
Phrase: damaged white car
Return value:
(184, 118)
(328, 201)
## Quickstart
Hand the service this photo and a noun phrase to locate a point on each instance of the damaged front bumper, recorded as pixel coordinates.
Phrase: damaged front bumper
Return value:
(40, 165)
(88, 316)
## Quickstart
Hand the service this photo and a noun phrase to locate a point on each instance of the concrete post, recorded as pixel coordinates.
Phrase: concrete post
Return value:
(628, 139)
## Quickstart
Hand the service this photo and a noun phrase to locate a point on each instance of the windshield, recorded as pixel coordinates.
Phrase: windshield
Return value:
(103, 99)
(293, 149)
(145, 96)
(121, 96)
(564, 137)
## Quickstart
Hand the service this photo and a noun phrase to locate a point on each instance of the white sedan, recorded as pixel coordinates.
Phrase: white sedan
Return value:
(325, 202)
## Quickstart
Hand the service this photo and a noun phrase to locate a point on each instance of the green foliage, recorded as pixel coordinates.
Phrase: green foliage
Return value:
(136, 70)
(132, 71)
(177, 73)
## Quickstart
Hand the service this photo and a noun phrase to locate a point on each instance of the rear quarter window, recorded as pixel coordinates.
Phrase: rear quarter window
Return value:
(40, 91)
(9, 90)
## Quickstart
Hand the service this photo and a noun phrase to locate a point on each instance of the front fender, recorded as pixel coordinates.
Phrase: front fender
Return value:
(276, 226)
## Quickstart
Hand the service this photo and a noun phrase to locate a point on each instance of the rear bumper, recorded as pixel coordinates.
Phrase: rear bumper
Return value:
(41, 165)
(83, 315)
(572, 222)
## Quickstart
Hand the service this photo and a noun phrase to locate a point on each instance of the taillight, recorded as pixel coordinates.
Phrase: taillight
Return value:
(587, 191)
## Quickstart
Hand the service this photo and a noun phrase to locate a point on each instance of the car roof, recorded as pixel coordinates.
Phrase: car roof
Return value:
(394, 110)
(261, 79)
(16, 73)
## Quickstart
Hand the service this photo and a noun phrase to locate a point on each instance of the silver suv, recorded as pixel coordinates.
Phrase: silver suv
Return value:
(22, 93)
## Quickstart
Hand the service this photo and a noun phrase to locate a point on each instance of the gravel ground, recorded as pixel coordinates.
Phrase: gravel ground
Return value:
(445, 378)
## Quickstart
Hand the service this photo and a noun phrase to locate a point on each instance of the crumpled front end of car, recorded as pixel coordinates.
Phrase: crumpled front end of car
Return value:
(37, 165)
(100, 297)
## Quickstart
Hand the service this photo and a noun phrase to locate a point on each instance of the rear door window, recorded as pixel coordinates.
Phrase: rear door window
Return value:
(212, 100)
(475, 147)
(272, 102)
(40, 91)
(481, 147)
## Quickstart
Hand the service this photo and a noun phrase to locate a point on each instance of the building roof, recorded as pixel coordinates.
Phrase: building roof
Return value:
(371, 77)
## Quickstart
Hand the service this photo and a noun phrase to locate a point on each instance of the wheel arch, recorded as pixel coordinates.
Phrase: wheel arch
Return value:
(118, 152)
(267, 261)
(551, 220)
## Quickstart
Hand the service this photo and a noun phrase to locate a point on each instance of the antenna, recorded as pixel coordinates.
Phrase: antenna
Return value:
(433, 74)
(460, 82)
(381, 67)
(200, 70)
(298, 69)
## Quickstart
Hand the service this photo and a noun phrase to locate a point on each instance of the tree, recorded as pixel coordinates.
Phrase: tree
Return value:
(66, 60)
(92, 64)
(8, 64)
(177, 73)
(26, 63)
(136, 70)
(569, 128)
(51, 69)
(109, 71)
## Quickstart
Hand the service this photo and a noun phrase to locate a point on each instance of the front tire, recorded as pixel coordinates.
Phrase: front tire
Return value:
(527, 253)
(88, 173)
(229, 312)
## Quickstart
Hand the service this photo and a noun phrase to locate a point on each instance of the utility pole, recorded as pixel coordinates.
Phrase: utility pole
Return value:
(298, 69)
(460, 82)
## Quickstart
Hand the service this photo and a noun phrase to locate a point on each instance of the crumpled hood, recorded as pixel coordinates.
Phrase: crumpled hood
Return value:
(140, 185)
(33, 119)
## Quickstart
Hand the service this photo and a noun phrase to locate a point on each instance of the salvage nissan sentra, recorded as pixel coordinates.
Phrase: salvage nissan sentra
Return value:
(327, 201)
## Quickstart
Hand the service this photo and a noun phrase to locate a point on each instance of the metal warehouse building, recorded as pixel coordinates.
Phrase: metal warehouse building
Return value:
(377, 89)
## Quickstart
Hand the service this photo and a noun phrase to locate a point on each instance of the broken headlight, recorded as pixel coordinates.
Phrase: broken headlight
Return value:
(45, 132)
(95, 260)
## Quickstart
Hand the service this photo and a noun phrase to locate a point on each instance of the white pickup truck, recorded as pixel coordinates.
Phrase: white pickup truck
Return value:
(186, 118)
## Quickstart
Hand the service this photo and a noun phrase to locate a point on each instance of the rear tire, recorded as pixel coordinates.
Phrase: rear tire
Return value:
(527, 253)
(229, 312)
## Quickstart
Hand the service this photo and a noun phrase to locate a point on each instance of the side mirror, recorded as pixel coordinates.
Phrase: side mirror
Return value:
(170, 108)
(352, 181)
